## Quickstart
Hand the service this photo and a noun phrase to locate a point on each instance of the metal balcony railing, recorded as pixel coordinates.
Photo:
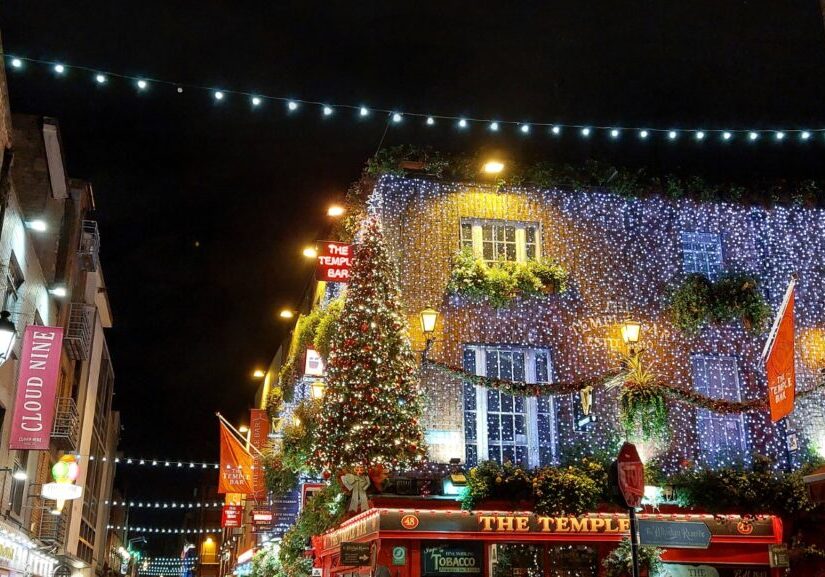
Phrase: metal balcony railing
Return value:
(78, 339)
(50, 529)
(66, 429)
(89, 248)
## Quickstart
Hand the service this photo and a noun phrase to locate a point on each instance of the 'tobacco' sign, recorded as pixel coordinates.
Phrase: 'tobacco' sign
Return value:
(334, 261)
(36, 388)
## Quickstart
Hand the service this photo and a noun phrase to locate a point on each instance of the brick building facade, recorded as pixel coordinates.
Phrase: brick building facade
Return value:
(624, 257)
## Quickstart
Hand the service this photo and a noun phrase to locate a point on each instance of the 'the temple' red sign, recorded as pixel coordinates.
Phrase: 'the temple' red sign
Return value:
(232, 516)
(334, 261)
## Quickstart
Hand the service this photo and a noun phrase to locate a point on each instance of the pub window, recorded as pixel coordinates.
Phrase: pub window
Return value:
(721, 437)
(702, 254)
(501, 427)
(501, 240)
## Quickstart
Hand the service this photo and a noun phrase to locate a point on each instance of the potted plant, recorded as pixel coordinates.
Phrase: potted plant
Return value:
(619, 563)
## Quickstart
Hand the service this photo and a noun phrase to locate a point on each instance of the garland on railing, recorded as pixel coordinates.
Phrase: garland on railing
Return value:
(616, 377)
(520, 388)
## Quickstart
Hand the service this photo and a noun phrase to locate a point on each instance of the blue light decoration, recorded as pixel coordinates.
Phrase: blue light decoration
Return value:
(623, 257)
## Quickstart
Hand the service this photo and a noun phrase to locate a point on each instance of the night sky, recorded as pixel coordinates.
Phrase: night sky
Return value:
(203, 207)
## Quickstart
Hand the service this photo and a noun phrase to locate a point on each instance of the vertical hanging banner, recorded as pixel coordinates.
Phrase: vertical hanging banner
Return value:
(779, 356)
(36, 388)
(235, 475)
(258, 437)
(334, 261)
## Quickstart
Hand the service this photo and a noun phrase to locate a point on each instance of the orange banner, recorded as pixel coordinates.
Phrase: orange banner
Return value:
(259, 437)
(236, 465)
(779, 365)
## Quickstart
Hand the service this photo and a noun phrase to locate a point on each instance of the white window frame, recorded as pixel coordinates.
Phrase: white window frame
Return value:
(701, 237)
(521, 236)
(530, 403)
(705, 415)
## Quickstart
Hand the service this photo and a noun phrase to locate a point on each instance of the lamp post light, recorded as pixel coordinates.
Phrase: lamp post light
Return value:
(317, 390)
(8, 333)
(286, 314)
(631, 331)
(428, 318)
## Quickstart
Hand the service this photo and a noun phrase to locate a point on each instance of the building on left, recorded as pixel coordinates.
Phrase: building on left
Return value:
(51, 276)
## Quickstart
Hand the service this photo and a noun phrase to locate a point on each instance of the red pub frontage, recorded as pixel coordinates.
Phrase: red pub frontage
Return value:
(412, 542)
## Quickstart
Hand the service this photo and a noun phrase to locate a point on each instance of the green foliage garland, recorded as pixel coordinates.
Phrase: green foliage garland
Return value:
(279, 478)
(317, 329)
(619, 563)
(735, 296)
(571, 490)
(520, 388)
(265, 563)
(503, 282)
(759, 489)
(299, 436)
(595, 175)
(322, 512)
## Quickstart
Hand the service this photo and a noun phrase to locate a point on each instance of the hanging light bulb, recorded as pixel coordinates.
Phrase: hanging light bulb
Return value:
(256, 101)
(525, 128)
(556, 130)
(672, 135)
(614, 133)
(363, 111)
(430, 120)
(726, 135)
(292, 105)
(462, 123)
(585, 132)
(494, 126)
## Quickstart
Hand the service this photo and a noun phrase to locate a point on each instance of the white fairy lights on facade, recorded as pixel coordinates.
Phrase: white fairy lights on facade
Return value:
(621, 255)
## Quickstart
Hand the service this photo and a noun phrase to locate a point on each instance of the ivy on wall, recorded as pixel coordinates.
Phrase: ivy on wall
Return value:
(501, 283)
(733, 297)
(595, 175)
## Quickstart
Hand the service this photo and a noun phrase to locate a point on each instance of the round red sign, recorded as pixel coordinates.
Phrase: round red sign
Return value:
(409, 521)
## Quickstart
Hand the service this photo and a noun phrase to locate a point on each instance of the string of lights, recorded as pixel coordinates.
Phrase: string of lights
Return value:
(162, 530)
(144, 84)
(153, 560)
(167, 504)
(155, 462)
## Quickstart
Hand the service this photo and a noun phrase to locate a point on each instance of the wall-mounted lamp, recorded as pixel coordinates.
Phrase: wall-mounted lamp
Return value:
(317, 390)
(428, 318)
(631, 331)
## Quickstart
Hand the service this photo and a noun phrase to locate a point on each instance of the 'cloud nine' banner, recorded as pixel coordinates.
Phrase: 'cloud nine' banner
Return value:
(36, 388)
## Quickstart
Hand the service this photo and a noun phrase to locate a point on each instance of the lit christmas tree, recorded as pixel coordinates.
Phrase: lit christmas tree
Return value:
(371, 407)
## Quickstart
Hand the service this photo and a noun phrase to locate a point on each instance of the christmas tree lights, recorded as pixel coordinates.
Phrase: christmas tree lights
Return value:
(371, 407)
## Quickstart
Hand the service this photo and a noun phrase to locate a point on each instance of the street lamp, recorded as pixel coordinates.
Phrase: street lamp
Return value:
(428, 318)
(317, 390)
(286, 314)
(17, 474)
(335, 210)
(258, 374)
(493, 167)
(7, 335)
(631, 330)
(310, 252)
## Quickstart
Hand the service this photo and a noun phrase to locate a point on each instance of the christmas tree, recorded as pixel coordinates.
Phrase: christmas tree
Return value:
(371, 406)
